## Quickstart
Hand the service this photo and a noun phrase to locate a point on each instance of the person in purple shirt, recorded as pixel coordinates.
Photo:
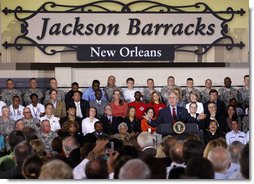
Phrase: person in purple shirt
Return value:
(89, 93)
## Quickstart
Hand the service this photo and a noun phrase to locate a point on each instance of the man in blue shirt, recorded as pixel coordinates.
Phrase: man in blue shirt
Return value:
(89, 93)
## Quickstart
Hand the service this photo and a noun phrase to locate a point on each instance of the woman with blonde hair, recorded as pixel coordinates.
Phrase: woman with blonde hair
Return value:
(214, 143)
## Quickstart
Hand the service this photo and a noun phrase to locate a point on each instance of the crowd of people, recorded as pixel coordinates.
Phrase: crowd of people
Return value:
(113, 133)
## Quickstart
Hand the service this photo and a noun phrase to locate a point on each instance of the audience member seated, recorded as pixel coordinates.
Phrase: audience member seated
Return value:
(193, 97)
(1, 105)
(19, 125)
(145, 142)
(89, 93)
(119, 107)
(6, 123)
(32, 90)
(98, 129)
(16, 110)
(156, 103)
(54, 121)
(56, 169)
(71, 128)
(213, 132)
(135, 169)
(244, 92)
(58, 106)
(88, 123)
(234, 149)
(37, 109)
(235, 134)
(231, 114)
(205, 96)
(7, 162)
(176, 155)
(29, 120)
(97, 169)
(180, 102)
(221, 108)
(71, 116)
(21, 151)
(128, 93)
(214, 143)
(145, 126)
(54, 85)
(147, 93)
(110, 122)
(110, 88)
(82, 106)
(46, 134)
(168, 88)
(199, 168)
(192, 148)
(188, 89)
(227, 92)
(98, 103)
(69, 94)
(32, 167)
(245, 162)
(10, 92)
(139, 106)
(220, 158)
(132, 122)
(122, 134)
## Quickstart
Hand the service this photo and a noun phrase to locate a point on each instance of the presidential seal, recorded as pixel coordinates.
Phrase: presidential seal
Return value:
(179, 127)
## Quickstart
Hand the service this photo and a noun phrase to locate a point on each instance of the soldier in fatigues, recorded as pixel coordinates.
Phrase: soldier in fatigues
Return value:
(205, 96)
(244, 93)
(6, 124)
(46, 135)
(227, 92)
(9, 92)
(32, 90)
(167, 89)
(29, 120)
(188, 89)
(60, 93)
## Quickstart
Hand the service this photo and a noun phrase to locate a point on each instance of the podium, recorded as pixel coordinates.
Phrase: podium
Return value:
(190, 128)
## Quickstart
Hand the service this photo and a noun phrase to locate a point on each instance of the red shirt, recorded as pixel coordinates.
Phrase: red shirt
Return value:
(119, 110)
(156, 107)
(145, 126)
(140, 108)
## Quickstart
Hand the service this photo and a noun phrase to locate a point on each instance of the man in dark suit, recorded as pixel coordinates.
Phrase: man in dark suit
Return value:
(171, 113)
(81, 105)
(110, 123)
(68, 96)
(98, 103)
(99, 129)
(145, 142)
(221, 108)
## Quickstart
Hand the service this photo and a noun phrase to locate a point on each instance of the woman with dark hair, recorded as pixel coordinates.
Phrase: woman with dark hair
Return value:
(231, 114)
(156, 103)
(119, 107)
(32, 167)
(71, 128)
(132, 122)
(145, 127)
(88, 123)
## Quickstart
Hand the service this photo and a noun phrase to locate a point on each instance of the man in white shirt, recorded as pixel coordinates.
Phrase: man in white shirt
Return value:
(235, 134)
(16, 110)
(37, 109)
(54, 121)
(128, 93)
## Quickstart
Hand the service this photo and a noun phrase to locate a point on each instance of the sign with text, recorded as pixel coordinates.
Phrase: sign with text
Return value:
(124, 35)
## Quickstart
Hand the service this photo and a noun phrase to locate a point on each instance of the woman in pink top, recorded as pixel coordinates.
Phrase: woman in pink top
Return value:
(156, 102)
(119, 107)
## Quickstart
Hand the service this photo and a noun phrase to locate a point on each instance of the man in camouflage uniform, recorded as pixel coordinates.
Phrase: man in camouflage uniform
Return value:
(29, 120)
(227, 92)
(244, 93)
(6, 124)
(188, 89)
(9, 92)
(167, 89)
(32, 90)
(53, 85)
(46, 135)
(111, 87)
(205, 97)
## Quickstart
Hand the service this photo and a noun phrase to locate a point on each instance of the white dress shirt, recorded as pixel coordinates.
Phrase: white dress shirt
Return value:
(79, 170)
(239, 136)
(1, 105)
(54, 122)
(129, 95)
(88, 126)
(16, 114)
(36, 111)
